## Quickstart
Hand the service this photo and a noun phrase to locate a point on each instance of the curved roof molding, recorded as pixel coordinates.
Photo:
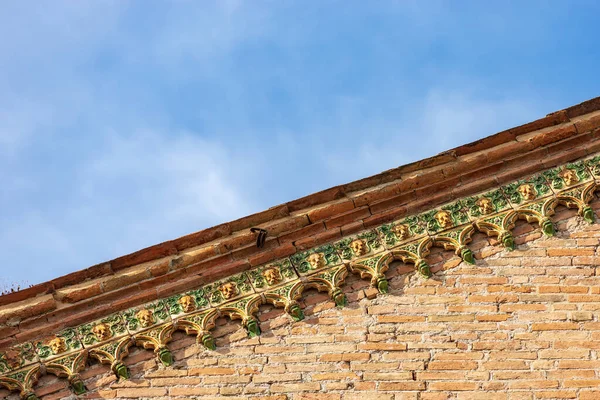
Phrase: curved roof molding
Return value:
(314, 242)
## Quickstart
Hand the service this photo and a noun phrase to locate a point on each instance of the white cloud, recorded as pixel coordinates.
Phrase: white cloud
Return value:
(454, 118)
(83, 85)
(134, 191)
(20, 120)
(186, 170)
(161, 186)
(443, 120)
(33, 246)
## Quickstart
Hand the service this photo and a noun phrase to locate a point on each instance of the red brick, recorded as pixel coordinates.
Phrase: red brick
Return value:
(554, 135)
(181, 285)
(73, 316)
(384, 217)
(23, 294)
(564, 157)
(475, 186)
(429, 202)
(330, 210)
(196, 256)
(136, 393)
(422, 179)
(285, 225)
(315, 199)
(124, 278)
(485, 143)
(533, 156)
(271, 214)
(168, 277)
(393, 202)
(592, 147)
(324, 237)
(569, 143)
(144, 255)
(510, 150)
(160, 268)
(27, 308)
(271, 255)
(252, 249)
(549, 120)
(352, 228)
(356, 214)
(77, 277)
(78, 293)
(482, 173)
(204, 236)
(446, 185)
(140, 297)
(216, 272)
(586, 107)
(309, 230)
(587, 124)
(465, 164)
(511, 175)
(6, 331)
(376, 194)
(375, 180)
(91, 306)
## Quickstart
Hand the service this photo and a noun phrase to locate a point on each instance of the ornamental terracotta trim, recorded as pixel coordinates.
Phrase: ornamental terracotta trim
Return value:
(560, 137)
(281, 283)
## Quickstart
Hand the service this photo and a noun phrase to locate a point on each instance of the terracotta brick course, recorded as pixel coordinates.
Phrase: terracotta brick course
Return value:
(27, 308)
(589, 123)
(328, 211)
(356, 214)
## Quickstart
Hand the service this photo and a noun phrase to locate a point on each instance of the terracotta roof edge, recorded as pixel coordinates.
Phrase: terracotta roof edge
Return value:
(173, 247)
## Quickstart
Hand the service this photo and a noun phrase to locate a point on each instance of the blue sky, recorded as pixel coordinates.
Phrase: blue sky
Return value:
(127, 123)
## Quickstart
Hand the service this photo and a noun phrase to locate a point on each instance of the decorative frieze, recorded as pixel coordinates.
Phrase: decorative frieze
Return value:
(228, 289)
(23, 381)
(63, 356)
(199, 324)
(282, 283)
(358, 246)
(69, 367)
(17, 357)
(186, 303)
(457, 240)
(108, 341)
(271, 275)
(286, 297)
(316, 259)
(244, 310)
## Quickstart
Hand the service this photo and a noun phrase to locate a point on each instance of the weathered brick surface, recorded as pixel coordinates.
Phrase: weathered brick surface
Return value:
(517, 325)
(27, 308)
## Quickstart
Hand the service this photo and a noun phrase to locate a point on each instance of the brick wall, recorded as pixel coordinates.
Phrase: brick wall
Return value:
(517, 325)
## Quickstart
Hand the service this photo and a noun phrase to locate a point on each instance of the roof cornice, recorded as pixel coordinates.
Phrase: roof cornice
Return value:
(330, 224)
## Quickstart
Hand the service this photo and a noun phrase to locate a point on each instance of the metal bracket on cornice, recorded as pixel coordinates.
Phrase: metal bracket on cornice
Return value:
(262, 236)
